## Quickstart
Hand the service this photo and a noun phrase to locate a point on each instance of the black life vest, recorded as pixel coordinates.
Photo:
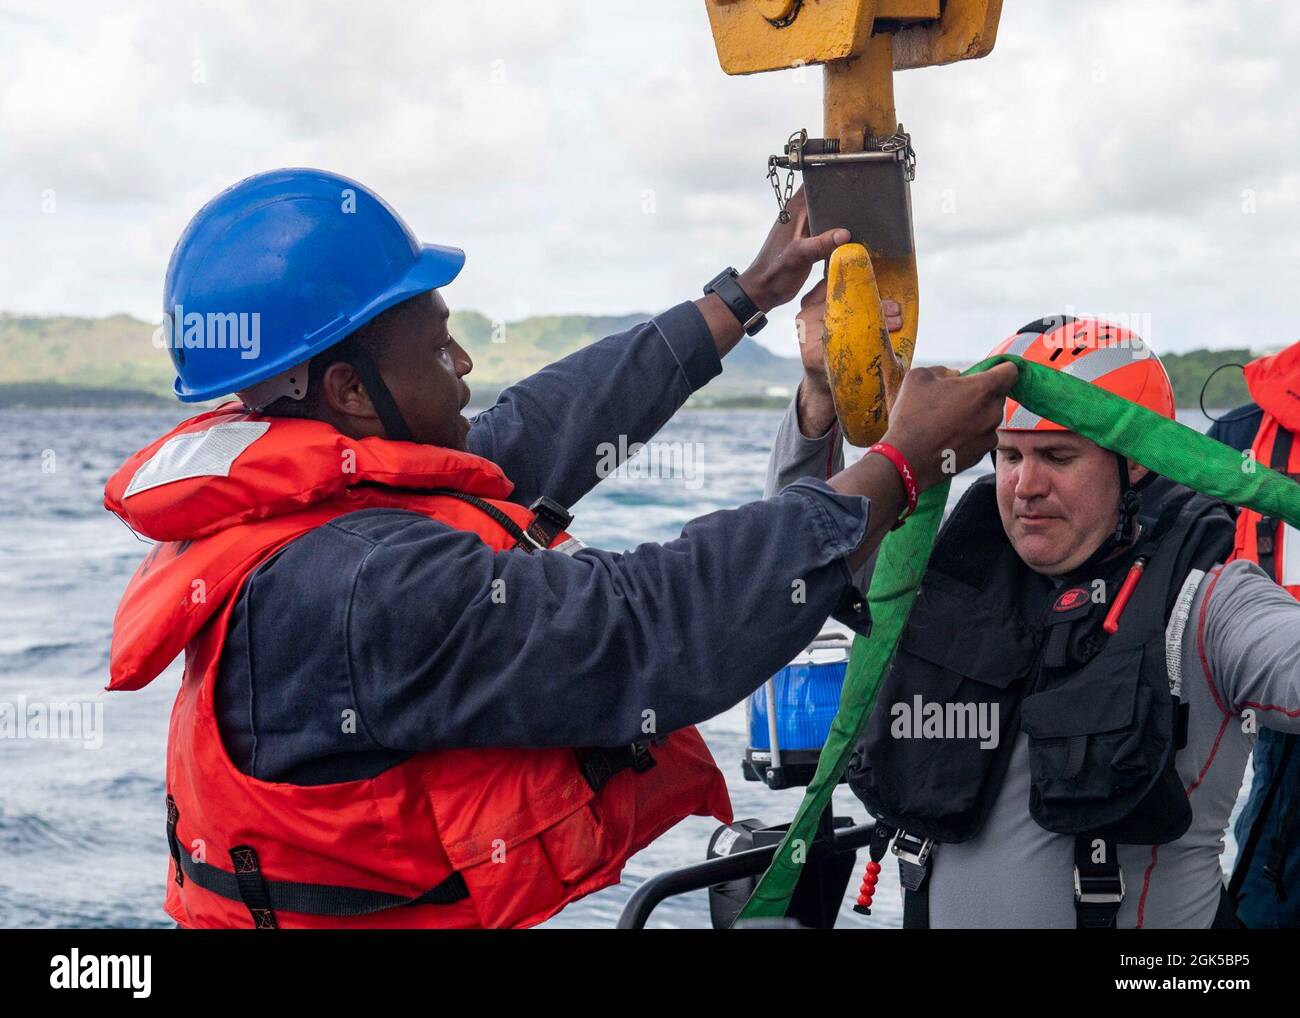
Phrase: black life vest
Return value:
(1103, 722)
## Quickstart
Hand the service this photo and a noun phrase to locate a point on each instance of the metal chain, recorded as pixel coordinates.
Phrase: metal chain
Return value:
(899, 141)
(795, 140)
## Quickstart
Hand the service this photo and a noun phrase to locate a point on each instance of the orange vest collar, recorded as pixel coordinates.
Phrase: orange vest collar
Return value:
(229, 466)
(223, 491)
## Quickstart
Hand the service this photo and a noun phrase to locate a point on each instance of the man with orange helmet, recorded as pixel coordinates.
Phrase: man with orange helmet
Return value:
(1083, 603)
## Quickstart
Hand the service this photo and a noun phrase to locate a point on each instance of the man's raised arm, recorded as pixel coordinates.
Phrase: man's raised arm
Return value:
(555, 432)
(577, 649)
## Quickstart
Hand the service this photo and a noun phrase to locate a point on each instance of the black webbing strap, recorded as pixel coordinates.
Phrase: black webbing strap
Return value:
(315, 899)
(1266, 528)
(916, 908)
(1098, 886)
(600, 764)
(247, 884)
(174, 846)
(524, 541)
(1099, 889)
(913, 871)
(252, 887)
(549, 517)
(1248, 848)
(380, 398)
(1098, 894)
(1182, 724)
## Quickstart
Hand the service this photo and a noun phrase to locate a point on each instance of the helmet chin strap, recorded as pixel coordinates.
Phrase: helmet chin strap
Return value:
(381, 398)
(1129, 504)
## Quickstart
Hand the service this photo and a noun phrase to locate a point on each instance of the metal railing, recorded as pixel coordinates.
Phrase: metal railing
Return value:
(647, 897)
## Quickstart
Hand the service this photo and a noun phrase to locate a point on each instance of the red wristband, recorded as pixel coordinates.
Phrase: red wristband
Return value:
(905, 472)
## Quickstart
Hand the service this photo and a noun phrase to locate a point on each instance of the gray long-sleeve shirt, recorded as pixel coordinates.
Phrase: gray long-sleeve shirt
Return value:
(1240, 651)
(410, 633)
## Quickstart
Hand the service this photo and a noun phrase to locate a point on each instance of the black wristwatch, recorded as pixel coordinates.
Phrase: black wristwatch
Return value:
(726, 286)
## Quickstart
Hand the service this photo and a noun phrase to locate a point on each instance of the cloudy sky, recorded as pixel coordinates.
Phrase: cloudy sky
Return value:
(1121, 158)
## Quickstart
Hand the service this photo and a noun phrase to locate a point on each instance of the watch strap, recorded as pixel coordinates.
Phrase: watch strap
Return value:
(727, 286)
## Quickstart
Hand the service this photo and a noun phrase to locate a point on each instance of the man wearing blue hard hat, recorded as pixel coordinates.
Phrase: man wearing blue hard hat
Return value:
(410, 697)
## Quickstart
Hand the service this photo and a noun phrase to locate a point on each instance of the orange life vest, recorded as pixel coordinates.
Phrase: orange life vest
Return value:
(454, 838)
(1274, 383)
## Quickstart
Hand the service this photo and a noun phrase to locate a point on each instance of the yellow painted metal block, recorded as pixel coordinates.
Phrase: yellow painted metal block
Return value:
(967, 31)
(859, 93)
(810, 32)
(769, 35)
(908, 10)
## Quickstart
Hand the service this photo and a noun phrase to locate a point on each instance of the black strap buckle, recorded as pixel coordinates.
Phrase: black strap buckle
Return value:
(913, 859)
(600, 764)
(642, 761)
(1098, 886)
(549, 519)
(1130, 503)
(173, 843)
(1099, 890)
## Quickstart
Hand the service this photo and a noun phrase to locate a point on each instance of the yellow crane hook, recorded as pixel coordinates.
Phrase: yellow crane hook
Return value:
(861, 43)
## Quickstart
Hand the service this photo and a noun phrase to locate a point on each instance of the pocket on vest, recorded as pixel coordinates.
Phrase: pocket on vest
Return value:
(1090, 754)
(936, 787)
(530, 880)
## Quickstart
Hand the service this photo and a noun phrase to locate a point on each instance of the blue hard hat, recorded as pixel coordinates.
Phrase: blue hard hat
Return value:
(281, 266)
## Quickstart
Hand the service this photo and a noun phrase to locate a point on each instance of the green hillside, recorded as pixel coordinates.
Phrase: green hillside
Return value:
(112, 354)
(67, 361)
(1188, 372)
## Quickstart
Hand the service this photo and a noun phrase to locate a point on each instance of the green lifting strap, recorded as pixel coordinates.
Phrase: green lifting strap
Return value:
(1164, 446)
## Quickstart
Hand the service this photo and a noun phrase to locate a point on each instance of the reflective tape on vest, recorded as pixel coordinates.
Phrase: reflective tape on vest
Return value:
(209, 453)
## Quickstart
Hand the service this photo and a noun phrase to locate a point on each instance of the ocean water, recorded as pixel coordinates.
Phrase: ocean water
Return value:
(82, 821)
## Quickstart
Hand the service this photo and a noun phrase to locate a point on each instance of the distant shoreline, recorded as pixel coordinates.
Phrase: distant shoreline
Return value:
(55, 396)
(40, 396)
(64, 362)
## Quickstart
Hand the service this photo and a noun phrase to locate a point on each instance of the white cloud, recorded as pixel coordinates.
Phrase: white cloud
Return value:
(594, 157)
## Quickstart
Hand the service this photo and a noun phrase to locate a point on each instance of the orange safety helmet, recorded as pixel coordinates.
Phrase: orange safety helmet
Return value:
(1097, 351)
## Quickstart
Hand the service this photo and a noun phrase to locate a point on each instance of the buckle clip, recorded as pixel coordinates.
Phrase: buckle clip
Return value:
(913, 859)
(911, 849)
(642, 760)
(549, 518)
(552, 510)
(1099, 890)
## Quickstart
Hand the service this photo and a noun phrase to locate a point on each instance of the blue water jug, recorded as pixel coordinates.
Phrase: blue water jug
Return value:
(789, 716)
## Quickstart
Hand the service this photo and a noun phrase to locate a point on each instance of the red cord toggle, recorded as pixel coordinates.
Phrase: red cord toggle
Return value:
(1111, 625)
(868, 889)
